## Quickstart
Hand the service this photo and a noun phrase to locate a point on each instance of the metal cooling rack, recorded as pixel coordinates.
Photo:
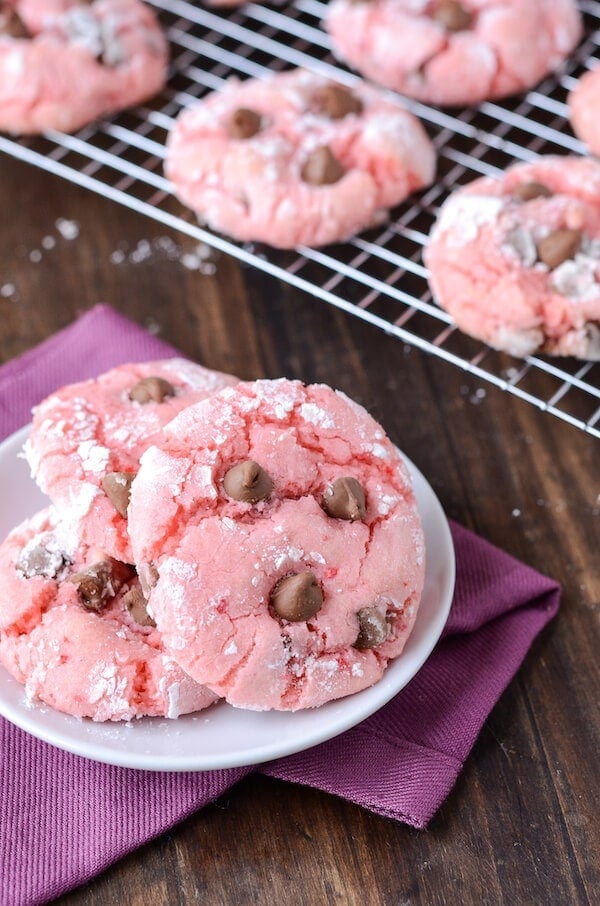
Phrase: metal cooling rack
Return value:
(378, 276)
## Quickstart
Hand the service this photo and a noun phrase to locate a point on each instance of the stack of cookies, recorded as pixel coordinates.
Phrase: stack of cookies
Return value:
(207, 539)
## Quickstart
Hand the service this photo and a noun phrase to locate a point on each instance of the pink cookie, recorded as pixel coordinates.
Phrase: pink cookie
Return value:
(87, 438)
(64, 63)
(296, 159)
(516, 260)
(277, 532)
(74, 629)
(449, 53)
(584, 109)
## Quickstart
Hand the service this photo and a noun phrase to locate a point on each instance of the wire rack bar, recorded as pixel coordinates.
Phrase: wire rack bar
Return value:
(378, 276)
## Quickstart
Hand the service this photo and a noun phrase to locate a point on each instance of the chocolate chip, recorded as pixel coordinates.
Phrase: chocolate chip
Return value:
(345, 499)
(322, 168)
(117, 487)
(136, 604)
(337, 102)
(11, 23)
(297, 598)
(244, 123)
(99, 583)
(151, 389)
(527, 191)
(247, 482)
(39, 561)
(559, 246)
(373, 628)
(452, 15)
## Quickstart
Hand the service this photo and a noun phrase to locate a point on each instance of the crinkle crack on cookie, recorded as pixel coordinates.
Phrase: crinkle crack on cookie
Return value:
(516, 260)
(76, 631)
(87, 439)
(296, 159)
(454, 53)
(64, 63)
(279, 542)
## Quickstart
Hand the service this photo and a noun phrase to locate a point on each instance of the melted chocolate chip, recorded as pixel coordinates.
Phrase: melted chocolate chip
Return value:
(452, 15)
(98, 584)
(559, 246)
(244, 123)
(151, 389)
(337, 102)
(527, 191)
(297, 598)
(39, 561)
(247, 482)
(117, 487)
(373, 628)
(136, 604)
(11, 24)
(345, 499)
(322, 168)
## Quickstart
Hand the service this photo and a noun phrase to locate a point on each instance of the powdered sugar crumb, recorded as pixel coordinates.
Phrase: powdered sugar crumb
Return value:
(314, 414)
(94, 458)
(295, 554)
(68, 229)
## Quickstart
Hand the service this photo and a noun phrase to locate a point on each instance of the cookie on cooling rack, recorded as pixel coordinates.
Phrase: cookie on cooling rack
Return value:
(293, 570)
(296, 159)
(454, 53)
(64, 63)
(76, 632)
(584, 105)
(516, 260)
(87, 438)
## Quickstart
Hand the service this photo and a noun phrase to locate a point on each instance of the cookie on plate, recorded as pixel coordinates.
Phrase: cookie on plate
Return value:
(74, 629)
(584, 104)
(64, 63)
(454, 53)
(277, 536)
(87, 438)
(516, 260)
(296, 159)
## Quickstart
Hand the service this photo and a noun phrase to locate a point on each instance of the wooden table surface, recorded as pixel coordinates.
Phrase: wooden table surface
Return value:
(521, 825)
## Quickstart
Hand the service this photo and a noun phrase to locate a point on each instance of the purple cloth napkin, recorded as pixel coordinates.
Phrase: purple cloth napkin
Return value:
(63, 818)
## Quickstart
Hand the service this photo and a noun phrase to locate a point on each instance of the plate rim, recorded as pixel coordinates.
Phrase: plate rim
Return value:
(27, 717)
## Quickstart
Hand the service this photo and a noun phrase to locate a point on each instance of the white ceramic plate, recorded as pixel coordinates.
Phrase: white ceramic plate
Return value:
(222, 736)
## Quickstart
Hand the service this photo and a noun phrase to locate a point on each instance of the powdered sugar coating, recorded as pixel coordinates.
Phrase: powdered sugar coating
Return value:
(218, 559)
(484, 267)
(252, 188)
(584, 104)
(81, 62)
(104, 666)
(88, 429)
(508, 46)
